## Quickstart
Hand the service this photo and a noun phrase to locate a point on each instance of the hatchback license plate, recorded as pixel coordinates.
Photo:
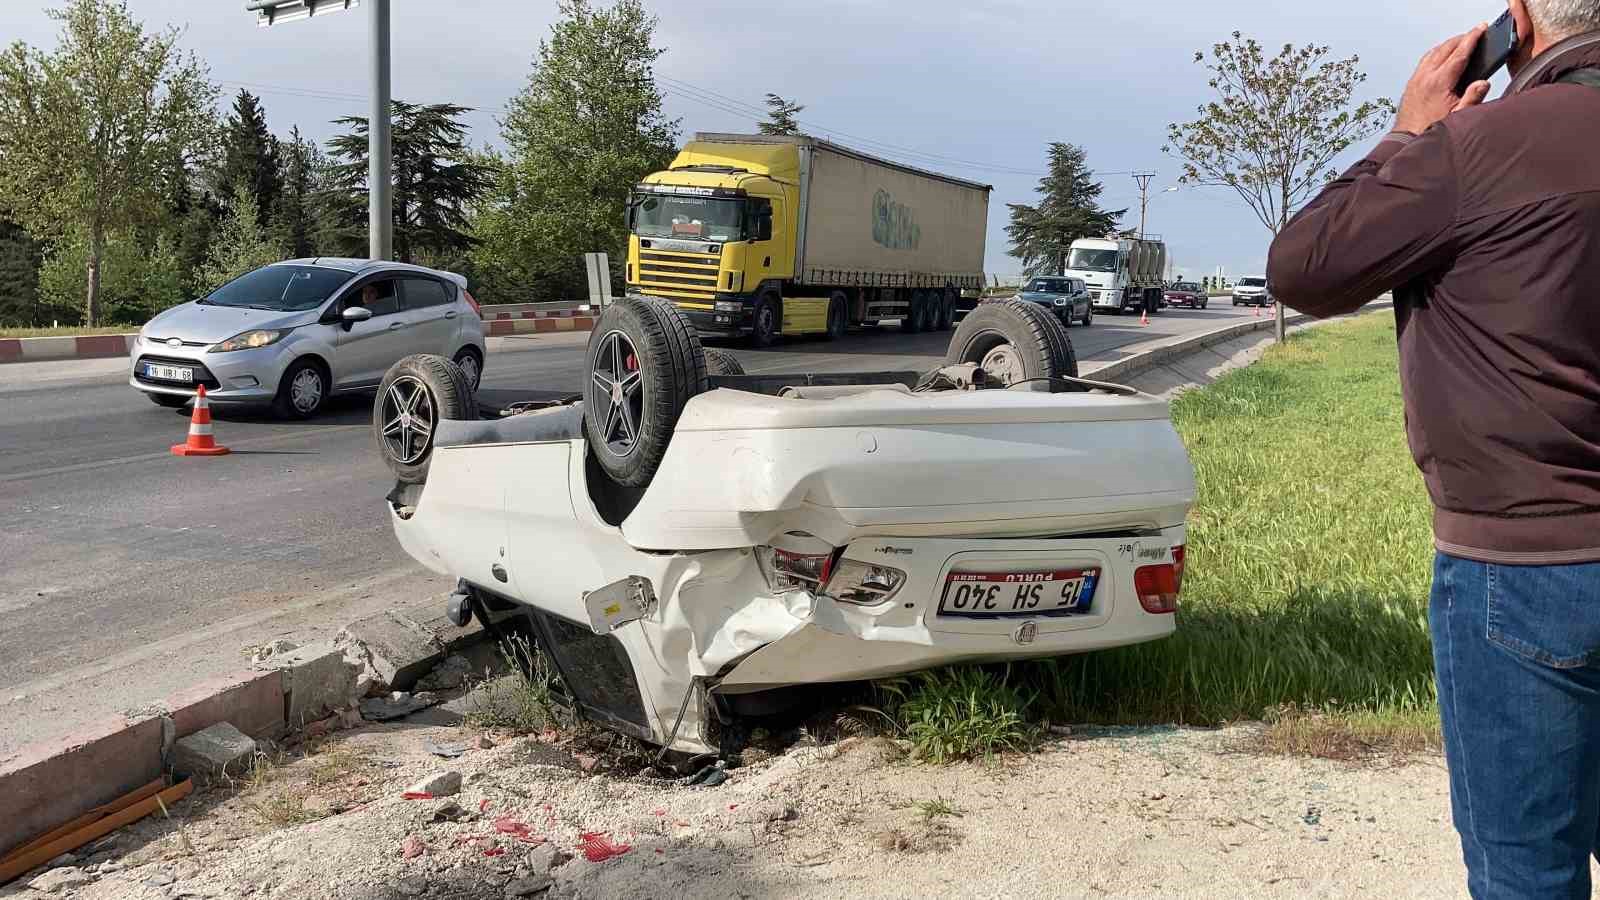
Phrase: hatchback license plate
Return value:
(169, 373)
(1004, 595)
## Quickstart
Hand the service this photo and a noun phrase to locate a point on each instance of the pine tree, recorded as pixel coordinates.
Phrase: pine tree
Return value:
(578, 138)
(781, 116)
(435, 178)
(240, 244)
(1069, 209)
(294, 224)
(249, 156)
(19, 276)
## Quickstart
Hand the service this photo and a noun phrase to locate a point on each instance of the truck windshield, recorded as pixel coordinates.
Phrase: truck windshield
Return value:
(694, 218)
(1093, 260)
(1252, 282)
(1050, 286)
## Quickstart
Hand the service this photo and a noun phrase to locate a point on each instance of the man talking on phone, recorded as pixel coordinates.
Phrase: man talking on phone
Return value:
(1484, 219)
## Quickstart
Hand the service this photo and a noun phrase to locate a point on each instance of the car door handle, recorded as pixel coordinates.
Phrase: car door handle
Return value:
(396, 326)
(450, 315)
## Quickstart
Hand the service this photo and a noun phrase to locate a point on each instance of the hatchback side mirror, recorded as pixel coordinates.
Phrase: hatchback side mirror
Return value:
(356, 314)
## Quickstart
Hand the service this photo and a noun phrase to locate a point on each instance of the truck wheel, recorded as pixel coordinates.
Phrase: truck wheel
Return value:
(915, 314)
(644, 363)
(416, 394)
(721, 362)
(1013, 341)
(946, 300)
(838, 317)
(767, 320)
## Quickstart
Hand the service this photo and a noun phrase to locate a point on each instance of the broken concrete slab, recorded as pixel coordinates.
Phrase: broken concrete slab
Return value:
(439, 784)
(394, 648)
(215, 752)
(251, 701)
(396, 706)
(317, 680)
(57, 880)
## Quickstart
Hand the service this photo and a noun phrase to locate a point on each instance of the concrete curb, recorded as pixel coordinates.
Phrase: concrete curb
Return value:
(1162, 353)
(93, 346)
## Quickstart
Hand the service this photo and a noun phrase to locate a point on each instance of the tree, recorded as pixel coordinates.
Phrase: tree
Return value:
(140, 276)
(294, 221)
(249, 156)
(19, 276)
(781, 116)
(578, 138)
(435, 178)
(240, 244)
(87, 130)
(1276, 126)
(1069, 209)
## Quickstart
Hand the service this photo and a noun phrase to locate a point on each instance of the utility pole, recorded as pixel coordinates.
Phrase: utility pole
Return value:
(380, 176)
(1143, 178)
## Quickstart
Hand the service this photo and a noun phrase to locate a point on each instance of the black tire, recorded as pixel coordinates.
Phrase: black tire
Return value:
(766, 320)
(1088, 315)
(416, 394)
(302, 391)
(721, 362)
(168, 401)
(1039, 346)
(1236, 301)
(838, 316)
(631, 406)
(915, 315)
(945, 303)
(471, 365)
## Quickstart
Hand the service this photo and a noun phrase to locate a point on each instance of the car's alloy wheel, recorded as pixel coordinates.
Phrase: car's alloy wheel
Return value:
(620, 396)
(409, 419)
(306, 391)
(468, 363)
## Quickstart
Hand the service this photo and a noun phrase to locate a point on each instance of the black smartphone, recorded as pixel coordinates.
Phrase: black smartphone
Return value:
(1493, 51)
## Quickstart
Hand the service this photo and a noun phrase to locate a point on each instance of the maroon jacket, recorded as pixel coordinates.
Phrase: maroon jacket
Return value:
(1487, 227)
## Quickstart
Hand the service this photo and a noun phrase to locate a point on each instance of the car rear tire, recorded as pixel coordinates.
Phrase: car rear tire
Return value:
(644, 364)
(471, 366)
(721, 362)
(1014, 342)
(302, 390)
(416, 394)
(169, 401)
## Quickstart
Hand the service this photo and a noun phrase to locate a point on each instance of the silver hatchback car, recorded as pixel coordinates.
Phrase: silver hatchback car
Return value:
(295, 333)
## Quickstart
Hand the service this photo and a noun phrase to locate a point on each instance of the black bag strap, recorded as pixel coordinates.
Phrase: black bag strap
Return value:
(1589, 77)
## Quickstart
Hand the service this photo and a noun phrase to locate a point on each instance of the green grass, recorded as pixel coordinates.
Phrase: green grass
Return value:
(1308, 559)
(962, 713)
(522, 702)
(66, 331)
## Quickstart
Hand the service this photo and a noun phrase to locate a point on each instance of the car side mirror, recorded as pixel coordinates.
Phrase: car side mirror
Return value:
(354, 314)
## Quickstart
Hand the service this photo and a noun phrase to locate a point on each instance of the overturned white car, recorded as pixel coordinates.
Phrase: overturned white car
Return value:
(691, 547)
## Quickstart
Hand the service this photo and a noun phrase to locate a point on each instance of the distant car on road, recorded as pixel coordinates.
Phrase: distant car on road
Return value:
(1252, 291)
(1186, 293)
(1067, 297)
(295, 333)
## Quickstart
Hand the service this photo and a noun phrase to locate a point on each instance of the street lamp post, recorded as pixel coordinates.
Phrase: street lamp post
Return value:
(380, 204)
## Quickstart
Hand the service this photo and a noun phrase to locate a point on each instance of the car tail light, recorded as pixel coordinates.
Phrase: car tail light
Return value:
(472, 302)
(1158, 586)
(790, 571)
(863, 583)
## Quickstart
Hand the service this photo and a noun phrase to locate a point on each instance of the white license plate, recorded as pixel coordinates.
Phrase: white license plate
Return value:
(169, 373)
(1005, 595)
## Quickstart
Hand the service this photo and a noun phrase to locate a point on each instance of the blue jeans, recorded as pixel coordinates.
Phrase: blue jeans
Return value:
(1517, 649)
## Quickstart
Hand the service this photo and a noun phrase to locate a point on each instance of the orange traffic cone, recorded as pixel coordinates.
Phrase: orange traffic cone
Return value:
(1144, 317)
(200, 442)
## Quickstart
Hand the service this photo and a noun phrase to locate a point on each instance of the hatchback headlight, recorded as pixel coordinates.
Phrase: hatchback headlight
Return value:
(250, 340)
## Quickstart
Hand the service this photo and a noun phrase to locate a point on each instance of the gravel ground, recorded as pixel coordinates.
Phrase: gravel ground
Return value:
(1122, 813)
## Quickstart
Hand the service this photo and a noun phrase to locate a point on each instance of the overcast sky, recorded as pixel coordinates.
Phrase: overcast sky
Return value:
(968, 87)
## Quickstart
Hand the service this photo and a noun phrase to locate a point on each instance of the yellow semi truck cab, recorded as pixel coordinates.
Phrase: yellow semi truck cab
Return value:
(757, 235)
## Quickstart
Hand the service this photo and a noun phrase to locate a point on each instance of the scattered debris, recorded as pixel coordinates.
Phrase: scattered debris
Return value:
(447, 751)
(57, 880)
(448, 675)
(439, 784)
(412, 847)
(219, 751)
(527, 887)
(159, 879)
(599, 847)
(397, 705)
(519, 830)
(1313, 816)
(263, 652)
(449, 812)
(485, 744)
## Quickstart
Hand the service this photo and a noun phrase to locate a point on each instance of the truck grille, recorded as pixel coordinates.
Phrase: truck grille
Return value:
(680, 276)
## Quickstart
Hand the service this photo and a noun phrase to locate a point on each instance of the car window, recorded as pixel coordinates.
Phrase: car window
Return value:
(1252, 282)
(420, 293)
(279, 288)
(377, 296)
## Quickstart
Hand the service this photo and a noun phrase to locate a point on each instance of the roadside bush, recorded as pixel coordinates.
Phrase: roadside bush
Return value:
(137, 280)
(961, 713)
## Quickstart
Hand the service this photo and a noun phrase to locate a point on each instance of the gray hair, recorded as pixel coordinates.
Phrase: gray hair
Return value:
(1558, 20)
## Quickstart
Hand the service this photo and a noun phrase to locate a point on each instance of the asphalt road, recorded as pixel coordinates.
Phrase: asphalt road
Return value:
(126, 572)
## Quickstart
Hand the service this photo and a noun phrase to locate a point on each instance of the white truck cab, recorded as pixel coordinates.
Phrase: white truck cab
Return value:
(1123, 274)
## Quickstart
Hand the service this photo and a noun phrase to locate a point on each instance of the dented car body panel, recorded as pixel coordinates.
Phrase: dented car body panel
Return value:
(1073, 490)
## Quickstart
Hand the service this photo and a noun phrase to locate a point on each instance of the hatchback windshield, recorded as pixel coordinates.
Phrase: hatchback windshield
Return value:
(1187, 287)
(1050, 286)
(1094, 260)
(1252, 282)
(696, 218)
(279, 288)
